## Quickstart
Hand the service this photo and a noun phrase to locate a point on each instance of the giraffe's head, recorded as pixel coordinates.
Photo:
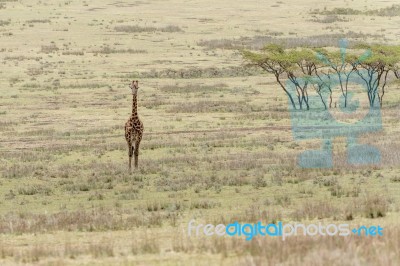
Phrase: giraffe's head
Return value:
(134, 86)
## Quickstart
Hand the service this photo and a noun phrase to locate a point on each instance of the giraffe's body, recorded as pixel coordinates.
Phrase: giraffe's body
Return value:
(134, 128)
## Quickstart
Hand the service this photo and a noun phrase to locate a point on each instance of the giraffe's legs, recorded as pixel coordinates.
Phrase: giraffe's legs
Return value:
(128, 134)
(137, 142)
(133, 137)
(130, 150)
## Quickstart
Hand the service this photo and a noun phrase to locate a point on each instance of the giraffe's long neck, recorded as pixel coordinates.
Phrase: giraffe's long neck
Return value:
(134, 105)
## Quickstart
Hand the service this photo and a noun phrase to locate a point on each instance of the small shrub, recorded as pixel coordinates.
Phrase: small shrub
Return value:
(395, 179)
(259, 182)
(4, 22)
(34, 189)
(329, 19)
(204, 204)
(101, 249)
(375, 206)
(139, 29)
(47, 49)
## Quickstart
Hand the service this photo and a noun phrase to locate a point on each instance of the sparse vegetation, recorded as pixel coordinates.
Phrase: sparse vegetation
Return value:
(138, 29)
(49, 48)
(194, 88)
(391, 11)
(196, 72)
(330, 19)
(4, 22)
(217, 146)
(108, 50)
(316, 41)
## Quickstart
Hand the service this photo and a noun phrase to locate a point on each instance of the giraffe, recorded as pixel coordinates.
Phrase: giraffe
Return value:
(134, 127)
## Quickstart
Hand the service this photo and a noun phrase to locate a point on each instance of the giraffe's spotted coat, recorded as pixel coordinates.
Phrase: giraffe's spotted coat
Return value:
(134, 128)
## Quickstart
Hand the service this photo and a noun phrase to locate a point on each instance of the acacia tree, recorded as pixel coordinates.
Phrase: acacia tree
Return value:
(339, 62)
(286, 64)
(321, 84)
(271, 60)
(304, 64)
(325, 80)
(377, 67)
(301, 66)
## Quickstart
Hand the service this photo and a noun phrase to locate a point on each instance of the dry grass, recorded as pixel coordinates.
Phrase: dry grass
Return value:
(330, 19)
(139, 29)
(391, 11)
(98, 219)
(217, 146)
(259, 41)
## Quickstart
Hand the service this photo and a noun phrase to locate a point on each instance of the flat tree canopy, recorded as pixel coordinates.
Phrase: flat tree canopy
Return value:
(319, 69)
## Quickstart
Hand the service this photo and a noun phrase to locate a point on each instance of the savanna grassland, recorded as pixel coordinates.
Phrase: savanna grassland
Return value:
(217, 145)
